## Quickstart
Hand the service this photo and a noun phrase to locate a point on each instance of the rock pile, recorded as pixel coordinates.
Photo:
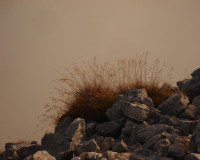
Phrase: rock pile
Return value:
(136, 131)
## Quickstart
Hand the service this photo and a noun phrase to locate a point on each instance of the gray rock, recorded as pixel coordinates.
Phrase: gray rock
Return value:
(99, 140)
(137, 95)
(128, 126)
(41, 155)
(187, 126)
(107, 144)
(193, 143)
(75, 134)
(64, 155)
(124, 137)
(76, 158)
(148, 132)
(192, 86)
(134, 137)
(90, 128)
(26, 151)
(120, 147)
(136, 111)
(169, 87)
(182, 83)
(169, 120)
(87, 146)
(193, 156)
(116, 156)
(184, 141)
(172, 137)
(196, 101)
(190, 113)
(146, 154)
(151, 142)
(109, 129)
(198, 136)
(90, 156)
(162, 147)
(174, 105)
(15, 149)
(113, 113)
(177, 151)
(63, 125)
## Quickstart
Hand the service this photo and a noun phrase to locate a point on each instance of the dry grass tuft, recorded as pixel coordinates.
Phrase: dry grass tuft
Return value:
(89, 90)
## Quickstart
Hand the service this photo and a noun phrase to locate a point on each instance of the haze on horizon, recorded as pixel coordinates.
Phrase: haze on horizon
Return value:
(38, 37)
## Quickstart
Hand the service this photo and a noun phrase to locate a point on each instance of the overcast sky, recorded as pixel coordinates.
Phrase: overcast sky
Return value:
(38, 37)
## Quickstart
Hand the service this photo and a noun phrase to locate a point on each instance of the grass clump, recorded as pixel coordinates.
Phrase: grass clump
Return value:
(89, 90)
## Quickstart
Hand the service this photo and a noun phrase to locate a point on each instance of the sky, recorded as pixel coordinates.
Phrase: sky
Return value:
(38, 37)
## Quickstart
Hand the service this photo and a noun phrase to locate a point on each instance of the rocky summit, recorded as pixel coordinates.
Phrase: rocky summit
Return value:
(136, 131)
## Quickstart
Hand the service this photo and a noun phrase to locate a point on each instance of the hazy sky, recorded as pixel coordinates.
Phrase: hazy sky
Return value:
(38, 37)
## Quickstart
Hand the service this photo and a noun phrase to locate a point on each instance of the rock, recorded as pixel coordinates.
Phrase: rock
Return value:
(113, 113)
(198, 136)
(75, 134)
(76, 158)
(90, 156)
(192, 86)
(169, 120)
(177, 151)
(148, 132)
(174, 105)
(120, 147)
(155, 118)
(169, 87)
(64, 155)
(151, 142)
(116, 156)
(128, 126)
(109, 129)
(193, 156)
(40, 155)
(136, 111)
(162, 146)
(184, 141)
(87, 146)
(134, 138)
(172, 137)
(190, 113)
(146, 154)
(187, 126)
(90, 128)
(193, 143)
(124, 137)
(20, 149)
(107, 144)
(137, 95)
(196, 102)
(182, 83)
(26, 151)
(63, 125)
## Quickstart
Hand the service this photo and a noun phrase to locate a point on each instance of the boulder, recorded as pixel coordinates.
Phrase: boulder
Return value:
(190, 113)
(136, 111)
(21, 150)
(187, 126)
(109, 129)
(90, 156)
(169, 120)
(193, 156)
(151, 142)
(193, 143)
(107, 144)
(75, 134)
(192, 86)
(147, 133)
(63, 125)
(137, 95)
(120, 147)
(169, 87)
(162, 147)
(174, 105)
(198, 136)
(116, 156)
(87, 146)
(128, 126)
(41, 155)
(90, 128)
(64, 155)
(184, 141)
(177, 151)
(113, 113)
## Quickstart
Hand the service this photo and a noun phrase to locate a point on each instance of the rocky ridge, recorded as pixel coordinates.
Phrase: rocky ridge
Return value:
(136, 131)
